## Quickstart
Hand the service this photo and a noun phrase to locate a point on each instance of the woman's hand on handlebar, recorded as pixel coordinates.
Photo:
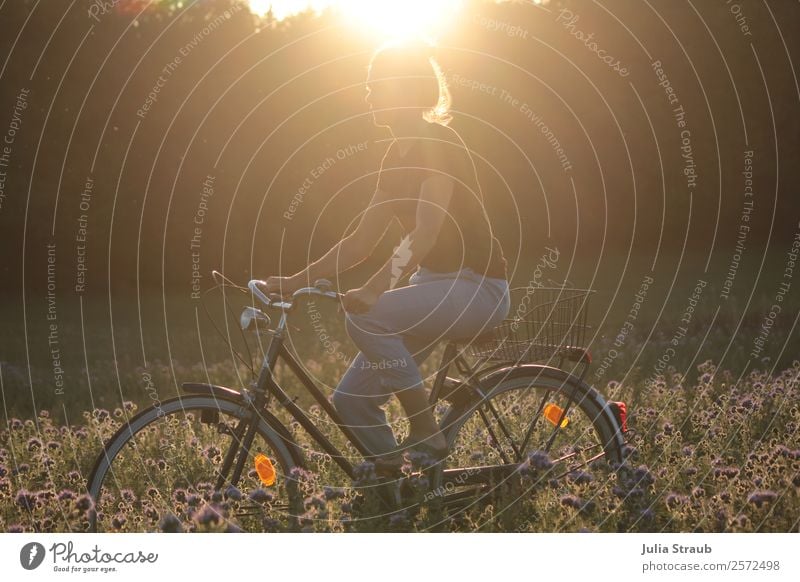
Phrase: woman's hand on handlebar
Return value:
(359, 300)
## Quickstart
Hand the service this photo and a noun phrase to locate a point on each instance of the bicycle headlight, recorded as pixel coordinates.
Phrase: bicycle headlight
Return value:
(250, 316)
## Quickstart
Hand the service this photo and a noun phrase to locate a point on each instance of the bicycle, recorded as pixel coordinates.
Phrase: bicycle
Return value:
(504, 407)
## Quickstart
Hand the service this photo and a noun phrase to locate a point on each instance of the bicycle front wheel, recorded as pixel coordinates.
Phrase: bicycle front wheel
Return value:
(533, 421)
(163, 470)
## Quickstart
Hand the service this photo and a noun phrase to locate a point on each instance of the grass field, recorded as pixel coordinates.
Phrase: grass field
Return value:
(715, 443)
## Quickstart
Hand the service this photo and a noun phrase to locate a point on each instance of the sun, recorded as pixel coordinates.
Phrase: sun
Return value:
(386, 19)
(397, 20)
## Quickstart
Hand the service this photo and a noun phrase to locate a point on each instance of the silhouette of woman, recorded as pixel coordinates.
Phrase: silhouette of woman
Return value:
(428, 183)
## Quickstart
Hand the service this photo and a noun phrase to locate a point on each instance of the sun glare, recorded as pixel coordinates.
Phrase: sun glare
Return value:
(387, 19)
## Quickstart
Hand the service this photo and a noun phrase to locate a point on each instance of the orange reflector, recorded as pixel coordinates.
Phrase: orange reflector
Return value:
(553, 412)
(265, 470)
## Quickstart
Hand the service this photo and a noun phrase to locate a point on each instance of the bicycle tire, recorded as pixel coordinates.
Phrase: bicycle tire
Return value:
(519, 394)
(147, 475)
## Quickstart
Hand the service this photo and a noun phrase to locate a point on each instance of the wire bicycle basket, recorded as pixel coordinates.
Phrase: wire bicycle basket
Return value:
(547, 322)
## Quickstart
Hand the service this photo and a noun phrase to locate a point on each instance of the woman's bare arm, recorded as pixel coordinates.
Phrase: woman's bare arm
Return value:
(355, 247)
(434, 198)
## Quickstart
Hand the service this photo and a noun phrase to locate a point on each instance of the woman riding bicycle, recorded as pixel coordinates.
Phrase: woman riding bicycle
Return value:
(428, 183)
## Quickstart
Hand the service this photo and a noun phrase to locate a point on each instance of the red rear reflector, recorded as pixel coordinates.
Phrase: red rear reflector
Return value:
(621, 412)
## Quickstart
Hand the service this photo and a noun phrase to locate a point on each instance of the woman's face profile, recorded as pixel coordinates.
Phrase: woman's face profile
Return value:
(395, 102)
(381, 96)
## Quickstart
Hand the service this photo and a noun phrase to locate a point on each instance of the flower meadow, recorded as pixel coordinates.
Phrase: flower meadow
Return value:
(721, 454)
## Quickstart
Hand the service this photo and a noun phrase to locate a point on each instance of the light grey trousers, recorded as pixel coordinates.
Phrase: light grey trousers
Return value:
(400, 332)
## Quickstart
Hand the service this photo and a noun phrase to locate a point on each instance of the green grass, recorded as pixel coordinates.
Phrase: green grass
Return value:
(715, 445)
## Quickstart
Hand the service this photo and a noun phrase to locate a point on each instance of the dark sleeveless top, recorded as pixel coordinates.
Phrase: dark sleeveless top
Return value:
(465, 238)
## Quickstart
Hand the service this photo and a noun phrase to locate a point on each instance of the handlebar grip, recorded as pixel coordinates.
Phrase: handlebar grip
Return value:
(253, 286)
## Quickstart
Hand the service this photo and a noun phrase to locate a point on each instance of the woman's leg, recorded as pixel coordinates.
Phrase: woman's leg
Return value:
(416, 317)
(360, 395)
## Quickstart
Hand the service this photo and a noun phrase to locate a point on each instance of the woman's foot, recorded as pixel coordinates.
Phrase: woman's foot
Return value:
(435, 441)
(421, 451)
(426, 451)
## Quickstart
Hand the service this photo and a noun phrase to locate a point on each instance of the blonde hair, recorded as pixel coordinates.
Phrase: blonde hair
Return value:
(416, 59)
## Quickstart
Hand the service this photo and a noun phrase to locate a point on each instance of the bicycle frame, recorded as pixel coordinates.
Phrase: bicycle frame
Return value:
(265, 388)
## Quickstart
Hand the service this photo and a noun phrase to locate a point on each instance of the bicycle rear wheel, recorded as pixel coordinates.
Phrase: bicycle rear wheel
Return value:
(163, 470)
(535, 424)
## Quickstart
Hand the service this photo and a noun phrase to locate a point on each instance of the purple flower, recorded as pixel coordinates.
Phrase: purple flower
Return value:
(26, 500)
(118, 521)
(315, 501)
(170, 524)
(66, 495)
(577, 503)
(535, 462)
(233, 493)
(150, 512)
(581, 477)
(332, 493)
(729, 472)
(364, 474)
(674, 500)
(540, 460)
(758, 498)
(34, 444)
(212, 453)
(179, 495)
(643, 476)
(260, 496)
(210, 515)
(45, 495)
(398, 520)
(84, 503)
(16, 528)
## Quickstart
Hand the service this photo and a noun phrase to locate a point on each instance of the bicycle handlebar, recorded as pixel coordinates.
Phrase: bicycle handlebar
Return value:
(321, 288)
